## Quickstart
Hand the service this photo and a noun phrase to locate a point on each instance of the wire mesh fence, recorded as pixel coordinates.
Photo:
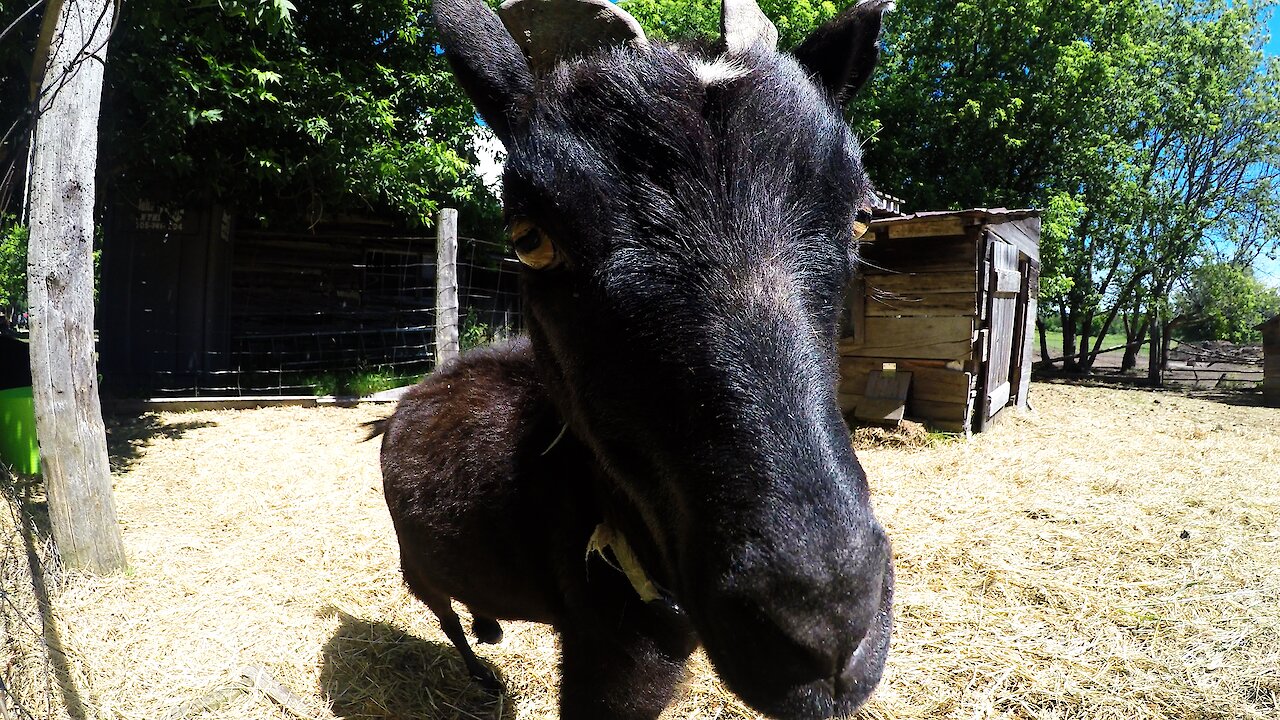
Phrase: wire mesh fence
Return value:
(339, 314)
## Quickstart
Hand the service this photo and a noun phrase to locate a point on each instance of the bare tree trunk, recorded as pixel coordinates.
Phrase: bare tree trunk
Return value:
(1085, 363)
(1134, 333)
(1110, 319)
(1155, 360)
(73, 445)
(1044, 341)
(1069, 364)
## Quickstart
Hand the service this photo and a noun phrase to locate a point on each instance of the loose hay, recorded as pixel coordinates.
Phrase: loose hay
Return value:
(907, 434)
(1113, 555)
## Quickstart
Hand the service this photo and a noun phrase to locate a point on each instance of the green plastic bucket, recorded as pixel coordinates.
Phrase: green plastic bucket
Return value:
(18, 448)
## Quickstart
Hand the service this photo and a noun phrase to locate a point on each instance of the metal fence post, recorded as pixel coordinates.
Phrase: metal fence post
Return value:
(446, 285)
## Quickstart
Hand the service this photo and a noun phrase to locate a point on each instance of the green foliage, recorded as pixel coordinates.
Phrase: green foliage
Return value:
(1062, 217)
(367, 383)
(13, 264)
(288, 115)
(1226, 302)
(1002, 103)
(477, 333)
(680, 20)
(327, 384)
(358, 383)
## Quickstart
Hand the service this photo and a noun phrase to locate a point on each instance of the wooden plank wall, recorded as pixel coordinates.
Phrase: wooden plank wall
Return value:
(1271, 373)
(917, 304)
(938, 393)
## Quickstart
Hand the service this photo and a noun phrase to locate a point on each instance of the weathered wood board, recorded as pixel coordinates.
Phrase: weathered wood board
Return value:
(950, 417)
(928, 383)
(948, 338)
(940, 396)
(926, 305)
(1022, 234)
(931, 410)
(921, 283)
(920, 255)
(1005, 285)
(928, 228)
(855, 303)
(1271, 375)
(1026, 324)
(885, 398)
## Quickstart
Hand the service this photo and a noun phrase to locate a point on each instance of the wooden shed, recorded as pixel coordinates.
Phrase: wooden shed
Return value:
(950, 298)
(1271, 361)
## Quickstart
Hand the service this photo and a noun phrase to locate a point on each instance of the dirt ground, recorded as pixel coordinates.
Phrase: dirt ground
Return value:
(1111, 554)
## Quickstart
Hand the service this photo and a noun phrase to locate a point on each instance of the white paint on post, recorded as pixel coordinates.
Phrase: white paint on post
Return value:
(73, 443)
(446, 285)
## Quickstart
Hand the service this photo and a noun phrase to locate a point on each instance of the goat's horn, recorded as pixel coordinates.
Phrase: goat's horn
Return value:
(743, 26)
(549, 31)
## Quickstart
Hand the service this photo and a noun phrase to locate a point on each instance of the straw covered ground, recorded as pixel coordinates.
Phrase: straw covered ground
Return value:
(1112, 554)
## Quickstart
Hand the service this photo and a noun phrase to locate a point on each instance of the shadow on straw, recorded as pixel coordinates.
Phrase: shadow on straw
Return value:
(31, 519)
(377, 670)
(129, 435)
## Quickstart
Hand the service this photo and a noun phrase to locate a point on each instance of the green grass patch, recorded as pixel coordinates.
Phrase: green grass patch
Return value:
(1054, 338)
(359, 383)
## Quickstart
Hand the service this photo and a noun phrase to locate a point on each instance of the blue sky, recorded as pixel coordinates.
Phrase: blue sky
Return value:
(1269, 270)
(1273, 48)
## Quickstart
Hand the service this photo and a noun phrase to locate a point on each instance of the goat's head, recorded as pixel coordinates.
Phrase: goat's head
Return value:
(687, 217)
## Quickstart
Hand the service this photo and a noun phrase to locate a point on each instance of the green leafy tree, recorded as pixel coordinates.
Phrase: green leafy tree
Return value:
(678, 20)
(13, 266)
(1001, 103)
(1214, 181)
(1226, 302)
(288, 114)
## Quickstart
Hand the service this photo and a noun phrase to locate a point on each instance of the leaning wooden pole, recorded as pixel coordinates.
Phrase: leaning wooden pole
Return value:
(446, 285)
(73, 443)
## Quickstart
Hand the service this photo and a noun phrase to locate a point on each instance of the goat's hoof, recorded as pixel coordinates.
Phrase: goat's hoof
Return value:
(487, 679)
(486, 630)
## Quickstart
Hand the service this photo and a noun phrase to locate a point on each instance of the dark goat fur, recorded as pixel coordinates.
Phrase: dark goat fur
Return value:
(486, 514)
(700, 206)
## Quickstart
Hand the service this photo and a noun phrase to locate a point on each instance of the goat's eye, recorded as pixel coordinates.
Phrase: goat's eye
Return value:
(861, 222)
(532, 245)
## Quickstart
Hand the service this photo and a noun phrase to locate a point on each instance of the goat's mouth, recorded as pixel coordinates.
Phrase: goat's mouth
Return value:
(837, 695)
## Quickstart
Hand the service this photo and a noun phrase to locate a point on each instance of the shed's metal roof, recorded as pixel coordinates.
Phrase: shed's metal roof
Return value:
(987, 214)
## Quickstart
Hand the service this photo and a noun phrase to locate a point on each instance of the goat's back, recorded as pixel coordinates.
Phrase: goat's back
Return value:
(479, 511)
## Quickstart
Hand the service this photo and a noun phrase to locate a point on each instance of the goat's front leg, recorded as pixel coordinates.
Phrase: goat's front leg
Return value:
(624, 665)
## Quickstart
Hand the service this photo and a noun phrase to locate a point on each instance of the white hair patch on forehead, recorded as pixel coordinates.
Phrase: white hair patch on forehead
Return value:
(721, 70)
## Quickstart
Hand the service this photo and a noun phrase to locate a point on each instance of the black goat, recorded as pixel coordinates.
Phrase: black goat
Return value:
(687, 221)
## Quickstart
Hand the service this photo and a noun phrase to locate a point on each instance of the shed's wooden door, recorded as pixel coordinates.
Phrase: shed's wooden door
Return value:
(1004, 287)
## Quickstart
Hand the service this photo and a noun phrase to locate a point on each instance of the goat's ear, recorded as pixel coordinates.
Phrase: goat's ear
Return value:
(485, 59)
(842, 54)
(549, 31)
